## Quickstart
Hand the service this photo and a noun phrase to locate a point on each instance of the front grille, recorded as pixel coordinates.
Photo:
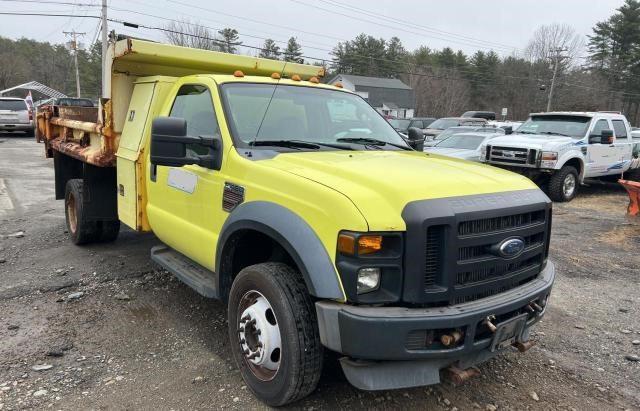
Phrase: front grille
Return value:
(488, 225)
(512, 155)
(433, 254)
(470, 268)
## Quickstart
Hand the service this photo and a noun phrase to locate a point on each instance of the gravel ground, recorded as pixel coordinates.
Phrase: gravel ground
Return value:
(100, 327)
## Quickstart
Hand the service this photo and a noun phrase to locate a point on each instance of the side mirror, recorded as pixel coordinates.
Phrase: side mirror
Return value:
(169, 141)
(508, 130)
(416, 138)
(605, 137)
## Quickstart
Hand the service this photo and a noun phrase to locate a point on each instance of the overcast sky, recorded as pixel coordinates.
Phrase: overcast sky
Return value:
(470, 25)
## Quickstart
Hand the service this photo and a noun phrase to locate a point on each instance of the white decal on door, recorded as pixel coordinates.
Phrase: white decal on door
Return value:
(182, 180)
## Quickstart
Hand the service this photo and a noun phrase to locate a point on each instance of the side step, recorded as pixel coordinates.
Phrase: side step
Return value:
(188, 271)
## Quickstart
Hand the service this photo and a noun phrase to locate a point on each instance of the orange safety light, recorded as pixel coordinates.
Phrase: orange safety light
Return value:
(338, 84)
(238, 73)
(295, 77)
(275, 75)
(346, 244)
(369, 244)
(314, 80)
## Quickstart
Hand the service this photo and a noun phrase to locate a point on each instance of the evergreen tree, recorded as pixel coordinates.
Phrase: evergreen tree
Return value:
(293, 52)
(230, 40)
(270, 50)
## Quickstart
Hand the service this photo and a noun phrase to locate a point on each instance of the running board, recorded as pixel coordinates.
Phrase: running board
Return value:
(188, 271)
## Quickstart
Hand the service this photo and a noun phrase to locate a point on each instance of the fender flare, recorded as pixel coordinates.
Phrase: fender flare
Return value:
(583, 165)
(294, 235)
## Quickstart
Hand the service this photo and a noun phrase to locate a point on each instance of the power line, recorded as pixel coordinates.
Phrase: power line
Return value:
(409, 23)
(389, 26)
(62, 3)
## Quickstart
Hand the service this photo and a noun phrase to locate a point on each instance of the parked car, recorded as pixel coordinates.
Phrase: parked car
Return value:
(402, 124)
(465, 146)
(442, 124)
(462, 129)
(15, 115)
(506, 124)
(487, 115)
(635, 132)
(561, 149)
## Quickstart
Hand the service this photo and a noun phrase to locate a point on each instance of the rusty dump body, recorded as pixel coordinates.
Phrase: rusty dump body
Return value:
(92, 134)
(76, 132)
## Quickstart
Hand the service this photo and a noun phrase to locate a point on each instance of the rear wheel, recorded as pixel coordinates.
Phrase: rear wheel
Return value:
(563, 185)
(274, 333)
(81, 230)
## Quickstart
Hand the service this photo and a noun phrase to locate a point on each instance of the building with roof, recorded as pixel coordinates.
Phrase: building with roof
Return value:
(390, 96)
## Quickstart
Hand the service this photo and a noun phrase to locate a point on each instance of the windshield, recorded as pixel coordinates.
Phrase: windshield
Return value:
(569, 126)
(313, 115)
(13, 105)
(399, 124)
(464, 141)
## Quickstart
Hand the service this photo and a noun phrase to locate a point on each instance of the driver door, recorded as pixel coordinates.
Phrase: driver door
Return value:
(599, 156)
(185, 205)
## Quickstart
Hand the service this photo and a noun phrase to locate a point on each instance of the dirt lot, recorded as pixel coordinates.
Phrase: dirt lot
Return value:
(114, 332)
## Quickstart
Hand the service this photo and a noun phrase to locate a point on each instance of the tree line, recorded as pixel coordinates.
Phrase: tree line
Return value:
(601, 72)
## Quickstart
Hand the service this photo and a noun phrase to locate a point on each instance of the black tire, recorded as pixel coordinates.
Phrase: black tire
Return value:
(30, 133)
(108, 230)
(558, 181)
(301, 356)
(80, 229)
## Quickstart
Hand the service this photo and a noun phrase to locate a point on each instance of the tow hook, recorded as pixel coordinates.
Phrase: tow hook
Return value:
(458, 376)
(488, 322)
(452, 338)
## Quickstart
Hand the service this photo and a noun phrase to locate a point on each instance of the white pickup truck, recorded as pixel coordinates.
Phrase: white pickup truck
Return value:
(560, 149)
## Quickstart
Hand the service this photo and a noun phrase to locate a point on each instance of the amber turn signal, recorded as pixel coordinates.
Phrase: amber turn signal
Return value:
(369, 244)
(346, 244)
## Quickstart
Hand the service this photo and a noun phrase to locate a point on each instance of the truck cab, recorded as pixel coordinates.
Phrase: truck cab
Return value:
(561, 149)
(298, 205)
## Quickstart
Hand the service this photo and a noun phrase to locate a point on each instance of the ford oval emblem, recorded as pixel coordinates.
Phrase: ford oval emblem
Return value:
(511, 247)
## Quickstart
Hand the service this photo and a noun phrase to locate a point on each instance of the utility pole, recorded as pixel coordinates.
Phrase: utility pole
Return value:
(104, 46)
(556, 63)
(74, 46)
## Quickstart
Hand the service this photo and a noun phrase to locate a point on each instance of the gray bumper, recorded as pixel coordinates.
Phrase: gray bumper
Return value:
(375, 339)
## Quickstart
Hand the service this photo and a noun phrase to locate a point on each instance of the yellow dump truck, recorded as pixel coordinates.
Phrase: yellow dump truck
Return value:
(301, 207)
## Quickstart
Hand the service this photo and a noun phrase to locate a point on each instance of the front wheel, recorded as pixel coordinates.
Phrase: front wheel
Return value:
(274, 333)
(563, 185)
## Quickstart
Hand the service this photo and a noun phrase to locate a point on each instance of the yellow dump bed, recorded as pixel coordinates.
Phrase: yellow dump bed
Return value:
(77, 133)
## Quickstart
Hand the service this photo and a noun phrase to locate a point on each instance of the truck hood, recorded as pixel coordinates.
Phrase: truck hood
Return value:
(462, 153)
(537, 141)
(381, 183)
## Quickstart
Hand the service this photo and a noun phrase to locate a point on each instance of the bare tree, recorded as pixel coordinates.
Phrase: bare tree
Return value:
(439, 92)
(549, 38)
(194, 35)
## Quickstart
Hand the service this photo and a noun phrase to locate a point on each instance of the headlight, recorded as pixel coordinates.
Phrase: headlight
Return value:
(483, 152)
(549, 159)
(368, 280)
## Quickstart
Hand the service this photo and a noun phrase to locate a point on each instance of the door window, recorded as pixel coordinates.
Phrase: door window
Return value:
(600, 125)
(193, 103)
(620, 129)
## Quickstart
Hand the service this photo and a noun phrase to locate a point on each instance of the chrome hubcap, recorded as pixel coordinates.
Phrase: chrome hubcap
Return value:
(259, 335)
(569, 185)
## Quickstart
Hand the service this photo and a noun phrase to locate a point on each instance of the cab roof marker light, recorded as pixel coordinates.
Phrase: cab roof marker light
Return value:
(338, 84)
(275, 75)
(238, 73)
(295, 77)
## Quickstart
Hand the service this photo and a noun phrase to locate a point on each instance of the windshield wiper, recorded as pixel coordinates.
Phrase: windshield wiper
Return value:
(299, 144)
(285, 143)
(553, 133)
(370, 141)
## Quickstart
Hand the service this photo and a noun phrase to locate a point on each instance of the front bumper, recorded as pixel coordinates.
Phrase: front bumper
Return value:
(16, 127)
(378, 339)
